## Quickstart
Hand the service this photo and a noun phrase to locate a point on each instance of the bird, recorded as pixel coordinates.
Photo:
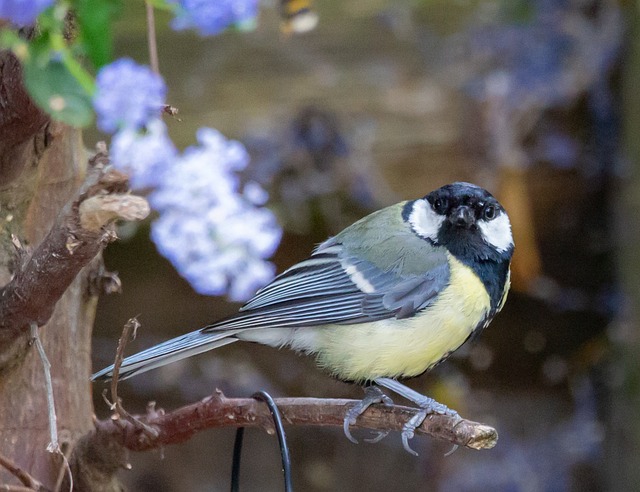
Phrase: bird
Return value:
(385, 300)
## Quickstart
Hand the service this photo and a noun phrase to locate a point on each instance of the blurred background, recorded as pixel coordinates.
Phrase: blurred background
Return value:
(537, 101)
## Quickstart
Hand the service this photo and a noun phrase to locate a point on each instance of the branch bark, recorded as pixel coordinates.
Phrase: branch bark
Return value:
(218, 411)
(78, 235)
(27, 480)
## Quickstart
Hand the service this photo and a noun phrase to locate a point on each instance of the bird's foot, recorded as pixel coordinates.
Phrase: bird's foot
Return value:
(428, 406)
(408, 429)
(372, 395)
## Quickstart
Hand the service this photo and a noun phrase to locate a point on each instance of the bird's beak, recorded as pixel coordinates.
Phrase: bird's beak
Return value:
(462, 216)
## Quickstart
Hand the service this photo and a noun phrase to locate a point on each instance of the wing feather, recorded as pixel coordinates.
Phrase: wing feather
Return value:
(335, 287)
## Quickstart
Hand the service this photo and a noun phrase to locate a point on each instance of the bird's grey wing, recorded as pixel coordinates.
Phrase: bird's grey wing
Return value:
(335, 287)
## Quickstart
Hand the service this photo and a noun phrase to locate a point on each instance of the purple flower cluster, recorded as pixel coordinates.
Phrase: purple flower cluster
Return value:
(210, 18)
(128, 95)
(209, 227)
(22, 12)
(144, 156)
(128, 101)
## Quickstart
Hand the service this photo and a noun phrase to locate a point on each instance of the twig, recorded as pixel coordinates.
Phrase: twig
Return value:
(218, 411)
(151, 38)
(54, 445)
(99, 210)
(15, 488)
(67, 469)
(128, 333)
(27, 480)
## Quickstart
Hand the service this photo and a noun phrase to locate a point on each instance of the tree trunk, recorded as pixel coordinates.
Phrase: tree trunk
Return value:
(42, 163)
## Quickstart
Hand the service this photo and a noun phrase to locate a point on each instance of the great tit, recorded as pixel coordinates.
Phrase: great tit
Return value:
(388, 298)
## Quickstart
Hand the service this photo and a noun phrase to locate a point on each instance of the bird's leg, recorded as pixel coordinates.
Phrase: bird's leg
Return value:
(372, 394)
(427, 406)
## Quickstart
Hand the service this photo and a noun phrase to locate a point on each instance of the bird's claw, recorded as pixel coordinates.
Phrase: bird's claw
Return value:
(372, 395)
(380, 435)
(349, 420)
(408, 430)
(427, 406)
(453, 449)
(432, 408)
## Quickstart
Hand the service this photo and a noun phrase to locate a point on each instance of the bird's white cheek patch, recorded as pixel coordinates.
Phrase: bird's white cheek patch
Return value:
(497, 232)
(424, 221)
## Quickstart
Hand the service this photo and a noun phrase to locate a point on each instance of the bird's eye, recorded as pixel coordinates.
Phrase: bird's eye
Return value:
(489, 212)
(440, 205)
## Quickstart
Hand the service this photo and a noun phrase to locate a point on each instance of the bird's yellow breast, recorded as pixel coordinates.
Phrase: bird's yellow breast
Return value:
(407, 347)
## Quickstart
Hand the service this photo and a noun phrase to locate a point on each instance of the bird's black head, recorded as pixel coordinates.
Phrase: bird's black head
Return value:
(464, 218)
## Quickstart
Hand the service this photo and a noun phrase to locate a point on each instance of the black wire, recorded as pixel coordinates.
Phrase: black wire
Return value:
(282, 440)
(235, 464)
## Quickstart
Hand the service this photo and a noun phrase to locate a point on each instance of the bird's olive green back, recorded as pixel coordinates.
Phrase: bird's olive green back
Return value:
(386, 240)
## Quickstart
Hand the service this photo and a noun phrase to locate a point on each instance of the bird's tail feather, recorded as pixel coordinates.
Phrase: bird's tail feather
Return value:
(170, 351)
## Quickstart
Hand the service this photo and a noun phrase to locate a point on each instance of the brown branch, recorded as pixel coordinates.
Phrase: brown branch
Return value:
(128, 333)
(219, 411)
(77, 236)
(27, 480)
(15, 488)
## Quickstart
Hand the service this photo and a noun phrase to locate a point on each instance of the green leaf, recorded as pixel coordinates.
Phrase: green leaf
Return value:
(95, 18)
(10, 39)
(56, 89)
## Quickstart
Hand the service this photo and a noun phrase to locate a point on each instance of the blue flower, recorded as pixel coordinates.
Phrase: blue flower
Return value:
(204, 176)
(255, 193)
(210, 18)
(252, 275)
(213, 262)
(145, 157)
(210, 226)
(128, 95)
(22, 12)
